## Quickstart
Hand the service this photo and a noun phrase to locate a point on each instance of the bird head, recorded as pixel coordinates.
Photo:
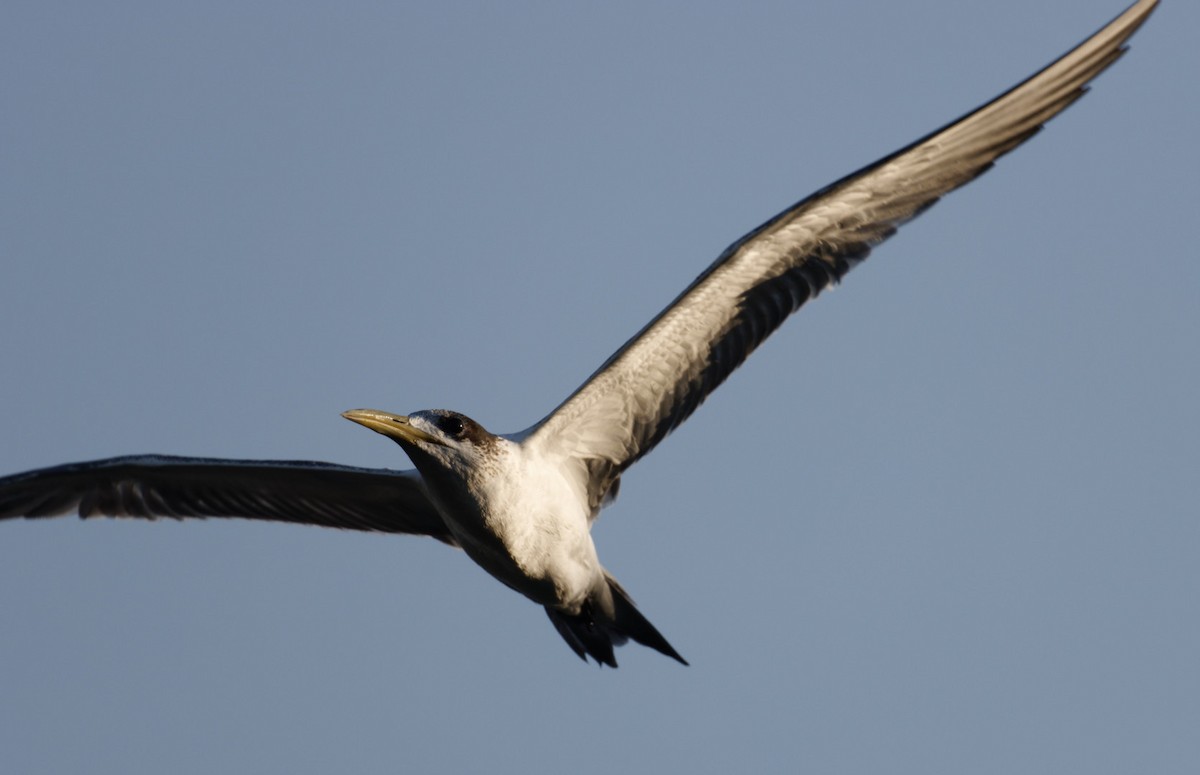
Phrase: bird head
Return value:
(449, 440)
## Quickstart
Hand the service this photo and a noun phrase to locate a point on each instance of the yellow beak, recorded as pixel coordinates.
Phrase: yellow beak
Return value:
(394, 426)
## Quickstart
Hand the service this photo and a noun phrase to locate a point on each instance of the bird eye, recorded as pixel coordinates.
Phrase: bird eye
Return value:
(451, 426)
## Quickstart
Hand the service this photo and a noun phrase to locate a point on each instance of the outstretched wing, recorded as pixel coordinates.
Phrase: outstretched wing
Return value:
(659, 377)
(152, 486)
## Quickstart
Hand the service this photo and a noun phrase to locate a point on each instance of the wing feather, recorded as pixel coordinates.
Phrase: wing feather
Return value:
(152, 486)
(661, 375)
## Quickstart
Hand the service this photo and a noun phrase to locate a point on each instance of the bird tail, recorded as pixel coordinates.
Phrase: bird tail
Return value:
(592, 633)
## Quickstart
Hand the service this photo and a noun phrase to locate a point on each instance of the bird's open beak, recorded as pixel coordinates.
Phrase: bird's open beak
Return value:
(394, 426)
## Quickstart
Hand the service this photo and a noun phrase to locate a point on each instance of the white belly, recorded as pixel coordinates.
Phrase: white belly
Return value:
(531, 532)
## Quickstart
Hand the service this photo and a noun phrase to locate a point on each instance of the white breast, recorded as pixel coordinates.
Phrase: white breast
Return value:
(531, 527)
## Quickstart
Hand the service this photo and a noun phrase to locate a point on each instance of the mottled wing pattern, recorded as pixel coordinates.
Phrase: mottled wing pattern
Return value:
(152, 486)
(659, 377)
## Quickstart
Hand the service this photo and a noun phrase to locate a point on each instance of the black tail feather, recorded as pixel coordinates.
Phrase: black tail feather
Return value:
(584, 635)
(589, 635)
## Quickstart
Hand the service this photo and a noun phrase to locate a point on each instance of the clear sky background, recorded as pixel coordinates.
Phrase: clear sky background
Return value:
(944, 521)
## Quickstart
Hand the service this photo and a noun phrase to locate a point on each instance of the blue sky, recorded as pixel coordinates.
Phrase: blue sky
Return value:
(945, 520)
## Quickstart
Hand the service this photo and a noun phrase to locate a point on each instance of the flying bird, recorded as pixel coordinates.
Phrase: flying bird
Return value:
(521, 505)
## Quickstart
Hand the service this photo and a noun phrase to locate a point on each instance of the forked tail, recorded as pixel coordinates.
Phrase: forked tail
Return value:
(594, 632)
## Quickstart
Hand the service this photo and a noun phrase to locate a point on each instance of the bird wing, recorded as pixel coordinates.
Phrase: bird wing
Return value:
(152, 486)
(658, 378)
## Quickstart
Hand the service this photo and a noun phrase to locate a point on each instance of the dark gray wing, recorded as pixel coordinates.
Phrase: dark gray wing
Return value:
(151, 486)
(659, 377)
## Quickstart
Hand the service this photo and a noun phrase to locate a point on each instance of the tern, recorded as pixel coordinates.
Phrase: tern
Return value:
(521, 505)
